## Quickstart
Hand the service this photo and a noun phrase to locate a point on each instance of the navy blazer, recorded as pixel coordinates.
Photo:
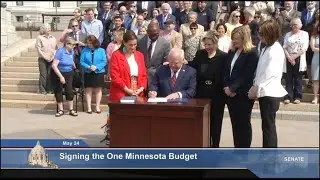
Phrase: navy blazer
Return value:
(304, 16)
(128, 19)
(160, 20)
(186, 82)
(101, 17)
(243, 71)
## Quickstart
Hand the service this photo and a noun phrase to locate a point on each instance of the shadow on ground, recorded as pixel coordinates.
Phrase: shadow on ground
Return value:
(43, 112)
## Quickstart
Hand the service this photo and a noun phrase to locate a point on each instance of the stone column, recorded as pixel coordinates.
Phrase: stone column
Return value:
(8, 31)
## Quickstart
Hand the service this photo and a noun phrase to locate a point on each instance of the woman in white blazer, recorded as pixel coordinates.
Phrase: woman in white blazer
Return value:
(296, 43)
(267, 83)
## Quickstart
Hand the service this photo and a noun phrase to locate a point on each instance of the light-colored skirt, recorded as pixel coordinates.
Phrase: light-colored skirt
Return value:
(315, 67)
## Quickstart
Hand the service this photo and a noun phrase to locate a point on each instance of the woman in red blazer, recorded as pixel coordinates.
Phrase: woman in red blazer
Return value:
(127, 69)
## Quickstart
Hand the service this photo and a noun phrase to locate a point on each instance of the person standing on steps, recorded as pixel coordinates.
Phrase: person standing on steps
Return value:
(46, 45)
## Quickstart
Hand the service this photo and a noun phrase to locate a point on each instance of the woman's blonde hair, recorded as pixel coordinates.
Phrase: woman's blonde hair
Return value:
(245, 34)
(117, 34)
(69, 40)
(231, 16)
(211, 35)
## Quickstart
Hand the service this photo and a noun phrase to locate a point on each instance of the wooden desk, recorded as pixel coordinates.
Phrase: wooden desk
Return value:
(160, 124)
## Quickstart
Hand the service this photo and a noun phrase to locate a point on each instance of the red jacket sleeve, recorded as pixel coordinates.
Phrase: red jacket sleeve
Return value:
(144, 77)
(116, 79)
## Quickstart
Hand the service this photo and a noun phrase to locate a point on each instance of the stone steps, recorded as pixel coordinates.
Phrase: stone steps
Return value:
(19, 88)
(20, 69)
(32, 50)
(19, 81)
(25, 59)
(20, 75)
(29, 54)
(22, 64)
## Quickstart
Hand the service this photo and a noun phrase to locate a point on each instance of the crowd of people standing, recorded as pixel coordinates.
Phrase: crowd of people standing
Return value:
(233, 56)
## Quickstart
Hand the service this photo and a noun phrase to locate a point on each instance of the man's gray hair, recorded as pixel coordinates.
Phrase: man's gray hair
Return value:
(249, 11)
(176, 51)
(44, 28)
(165, 5)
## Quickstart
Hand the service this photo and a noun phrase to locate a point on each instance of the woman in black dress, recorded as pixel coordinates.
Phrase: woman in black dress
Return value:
(209, 63)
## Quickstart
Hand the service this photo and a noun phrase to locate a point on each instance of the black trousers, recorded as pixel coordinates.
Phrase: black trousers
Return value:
(293, 82)
(58, 87)
(216, 113)
(44, 78)
(268, 109)
(240, 109)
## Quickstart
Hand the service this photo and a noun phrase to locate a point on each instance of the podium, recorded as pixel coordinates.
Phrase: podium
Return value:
(156, 125)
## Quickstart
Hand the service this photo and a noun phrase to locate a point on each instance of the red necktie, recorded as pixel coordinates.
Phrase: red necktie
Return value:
(173, 79)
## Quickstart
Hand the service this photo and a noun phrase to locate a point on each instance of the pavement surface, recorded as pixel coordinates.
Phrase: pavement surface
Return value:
(29, 123)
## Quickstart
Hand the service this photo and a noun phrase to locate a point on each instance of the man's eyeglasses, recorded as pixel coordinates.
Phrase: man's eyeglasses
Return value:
(193, 28)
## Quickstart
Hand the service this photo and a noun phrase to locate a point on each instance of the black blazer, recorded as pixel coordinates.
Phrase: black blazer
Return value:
(243, 71)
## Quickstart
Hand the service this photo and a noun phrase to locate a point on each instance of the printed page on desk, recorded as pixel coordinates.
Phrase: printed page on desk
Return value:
(158, 99)
(128, 99)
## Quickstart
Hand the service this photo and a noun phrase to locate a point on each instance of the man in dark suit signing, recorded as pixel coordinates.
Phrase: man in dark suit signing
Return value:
(174, 80)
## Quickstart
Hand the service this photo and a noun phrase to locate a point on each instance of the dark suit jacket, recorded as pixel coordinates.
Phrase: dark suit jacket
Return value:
(254, 29)
(160, 20)
(101, 15)
(151, 6)
(304, 16)
(242, 75)
(100, 5)
(185, 84)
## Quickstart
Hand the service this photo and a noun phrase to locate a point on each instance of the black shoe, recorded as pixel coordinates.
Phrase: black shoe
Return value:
(50, 92)
(89, 112)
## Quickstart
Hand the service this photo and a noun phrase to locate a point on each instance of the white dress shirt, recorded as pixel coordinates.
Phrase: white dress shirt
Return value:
(153, 45)
(224, 43)
(235, 57)
(133, 65)
(177, 74)
(269, 72)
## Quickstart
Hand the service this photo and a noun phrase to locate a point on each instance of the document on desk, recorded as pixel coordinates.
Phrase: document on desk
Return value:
(157, 99)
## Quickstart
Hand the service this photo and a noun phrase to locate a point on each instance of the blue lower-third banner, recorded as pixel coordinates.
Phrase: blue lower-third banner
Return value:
(263, 162)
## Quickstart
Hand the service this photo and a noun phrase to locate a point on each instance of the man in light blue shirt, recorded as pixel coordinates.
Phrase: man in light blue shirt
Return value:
(92, 26)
